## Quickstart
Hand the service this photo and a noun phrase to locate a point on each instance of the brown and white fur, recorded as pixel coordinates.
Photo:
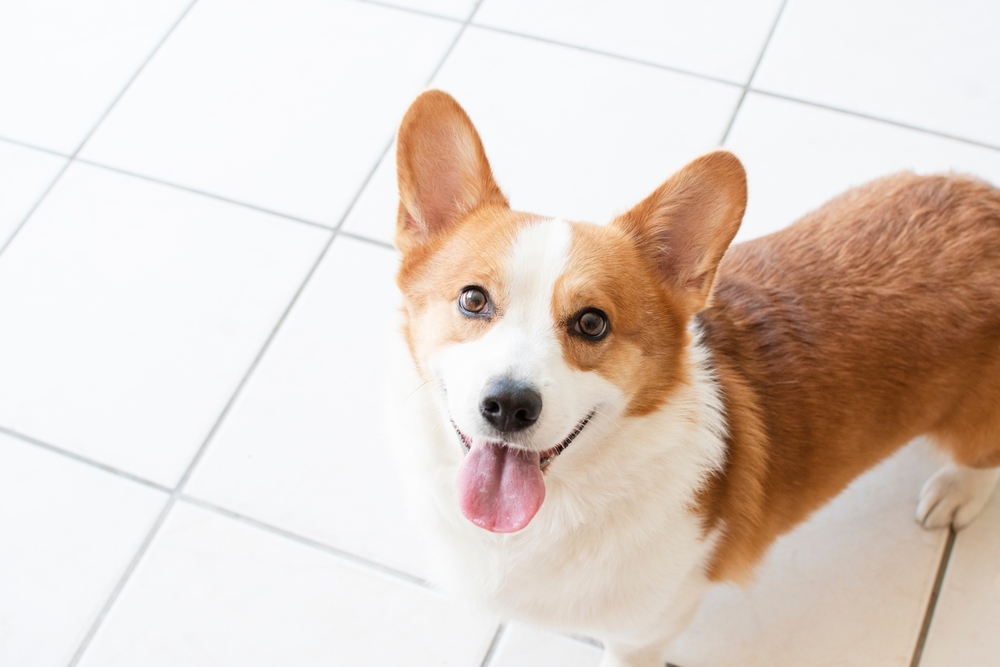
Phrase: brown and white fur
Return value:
(738, 389)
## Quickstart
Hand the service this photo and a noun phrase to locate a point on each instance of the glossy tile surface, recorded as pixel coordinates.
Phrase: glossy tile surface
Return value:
(63, 63)
(213, 591)
(717, 38)
(932, 64)
(259, 102)
(132, 311)
(302, 449)
(67, 533)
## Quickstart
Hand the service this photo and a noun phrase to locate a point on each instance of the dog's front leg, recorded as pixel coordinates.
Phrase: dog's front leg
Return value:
(672, 622)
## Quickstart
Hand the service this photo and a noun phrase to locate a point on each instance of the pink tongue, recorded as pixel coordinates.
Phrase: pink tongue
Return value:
(500, 488)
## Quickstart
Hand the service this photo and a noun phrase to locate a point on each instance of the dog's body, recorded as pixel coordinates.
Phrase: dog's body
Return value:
(675, 414)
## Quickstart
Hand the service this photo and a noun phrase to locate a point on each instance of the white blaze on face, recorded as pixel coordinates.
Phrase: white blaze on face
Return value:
(523, 344)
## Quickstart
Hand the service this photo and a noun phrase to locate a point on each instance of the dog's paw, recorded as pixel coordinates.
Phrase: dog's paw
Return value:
(954, 495)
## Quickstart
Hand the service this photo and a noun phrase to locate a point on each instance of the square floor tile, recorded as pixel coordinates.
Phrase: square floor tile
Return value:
(523, 646)
(213, 591)
(283, 104)
(849, 588)
(967, 617)
(718, 38)
(933, 64)
(132, 311)
(568, 133)
(798, 156)
(67, 533)
(62, 63)
(24, 175)
(301, 447)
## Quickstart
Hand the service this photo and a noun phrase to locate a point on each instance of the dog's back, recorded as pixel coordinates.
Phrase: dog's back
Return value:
(872, 320)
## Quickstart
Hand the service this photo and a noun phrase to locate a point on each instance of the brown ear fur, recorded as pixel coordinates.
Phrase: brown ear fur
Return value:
(686, 224)
(442, 169)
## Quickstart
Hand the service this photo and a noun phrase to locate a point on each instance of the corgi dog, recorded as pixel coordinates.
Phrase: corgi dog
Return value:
(596, 423)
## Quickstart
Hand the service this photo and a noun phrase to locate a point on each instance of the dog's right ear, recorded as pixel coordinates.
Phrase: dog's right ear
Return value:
(442, 169)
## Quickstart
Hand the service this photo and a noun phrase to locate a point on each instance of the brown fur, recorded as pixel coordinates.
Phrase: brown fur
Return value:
(870, 321)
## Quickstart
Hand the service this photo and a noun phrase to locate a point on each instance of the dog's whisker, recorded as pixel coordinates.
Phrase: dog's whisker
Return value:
(410, 395)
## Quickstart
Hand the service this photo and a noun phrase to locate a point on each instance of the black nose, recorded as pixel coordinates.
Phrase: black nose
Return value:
(510, 406)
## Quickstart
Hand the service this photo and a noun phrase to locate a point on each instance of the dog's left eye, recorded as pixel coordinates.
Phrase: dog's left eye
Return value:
(592, 324)
(473, 301)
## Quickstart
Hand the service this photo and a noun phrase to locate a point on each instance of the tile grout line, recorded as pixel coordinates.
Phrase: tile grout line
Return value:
(753, 73)
(745, 89)
(135, 76)
(607, 54)
(678, 70)
(178, 490)
(878, 119)
(72, 157)
(120, 584)
(492, 649)
(218, 509)
(335, 228)
(27, 439)
(339, 554)
(210, 195)
(34, 207)
(25, 144)
(925, 627)
(365, 239)
(412, 10)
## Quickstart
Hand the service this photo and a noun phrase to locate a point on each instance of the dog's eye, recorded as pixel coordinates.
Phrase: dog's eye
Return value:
(592, 324)
(473, 301)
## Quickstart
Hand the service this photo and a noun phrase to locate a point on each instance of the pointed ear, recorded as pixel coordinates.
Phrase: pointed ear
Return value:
(442, 169)
(685, 226)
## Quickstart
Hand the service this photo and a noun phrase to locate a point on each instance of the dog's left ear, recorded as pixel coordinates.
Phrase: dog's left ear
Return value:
(685, 226)
(442, 169)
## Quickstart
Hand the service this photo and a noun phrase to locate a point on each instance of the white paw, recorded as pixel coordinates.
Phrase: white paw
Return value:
(954, 495)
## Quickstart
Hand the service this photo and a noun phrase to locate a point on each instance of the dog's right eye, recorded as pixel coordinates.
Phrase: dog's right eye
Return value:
(592, 324)
(473, 301)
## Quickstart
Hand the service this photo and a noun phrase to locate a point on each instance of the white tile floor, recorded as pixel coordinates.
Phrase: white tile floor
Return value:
(196, 210)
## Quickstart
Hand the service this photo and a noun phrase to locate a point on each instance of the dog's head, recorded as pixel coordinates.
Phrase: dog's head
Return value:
(529, 329)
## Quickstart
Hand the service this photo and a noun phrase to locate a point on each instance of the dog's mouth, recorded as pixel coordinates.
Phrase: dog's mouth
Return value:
(500, 486)
(546, 457)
